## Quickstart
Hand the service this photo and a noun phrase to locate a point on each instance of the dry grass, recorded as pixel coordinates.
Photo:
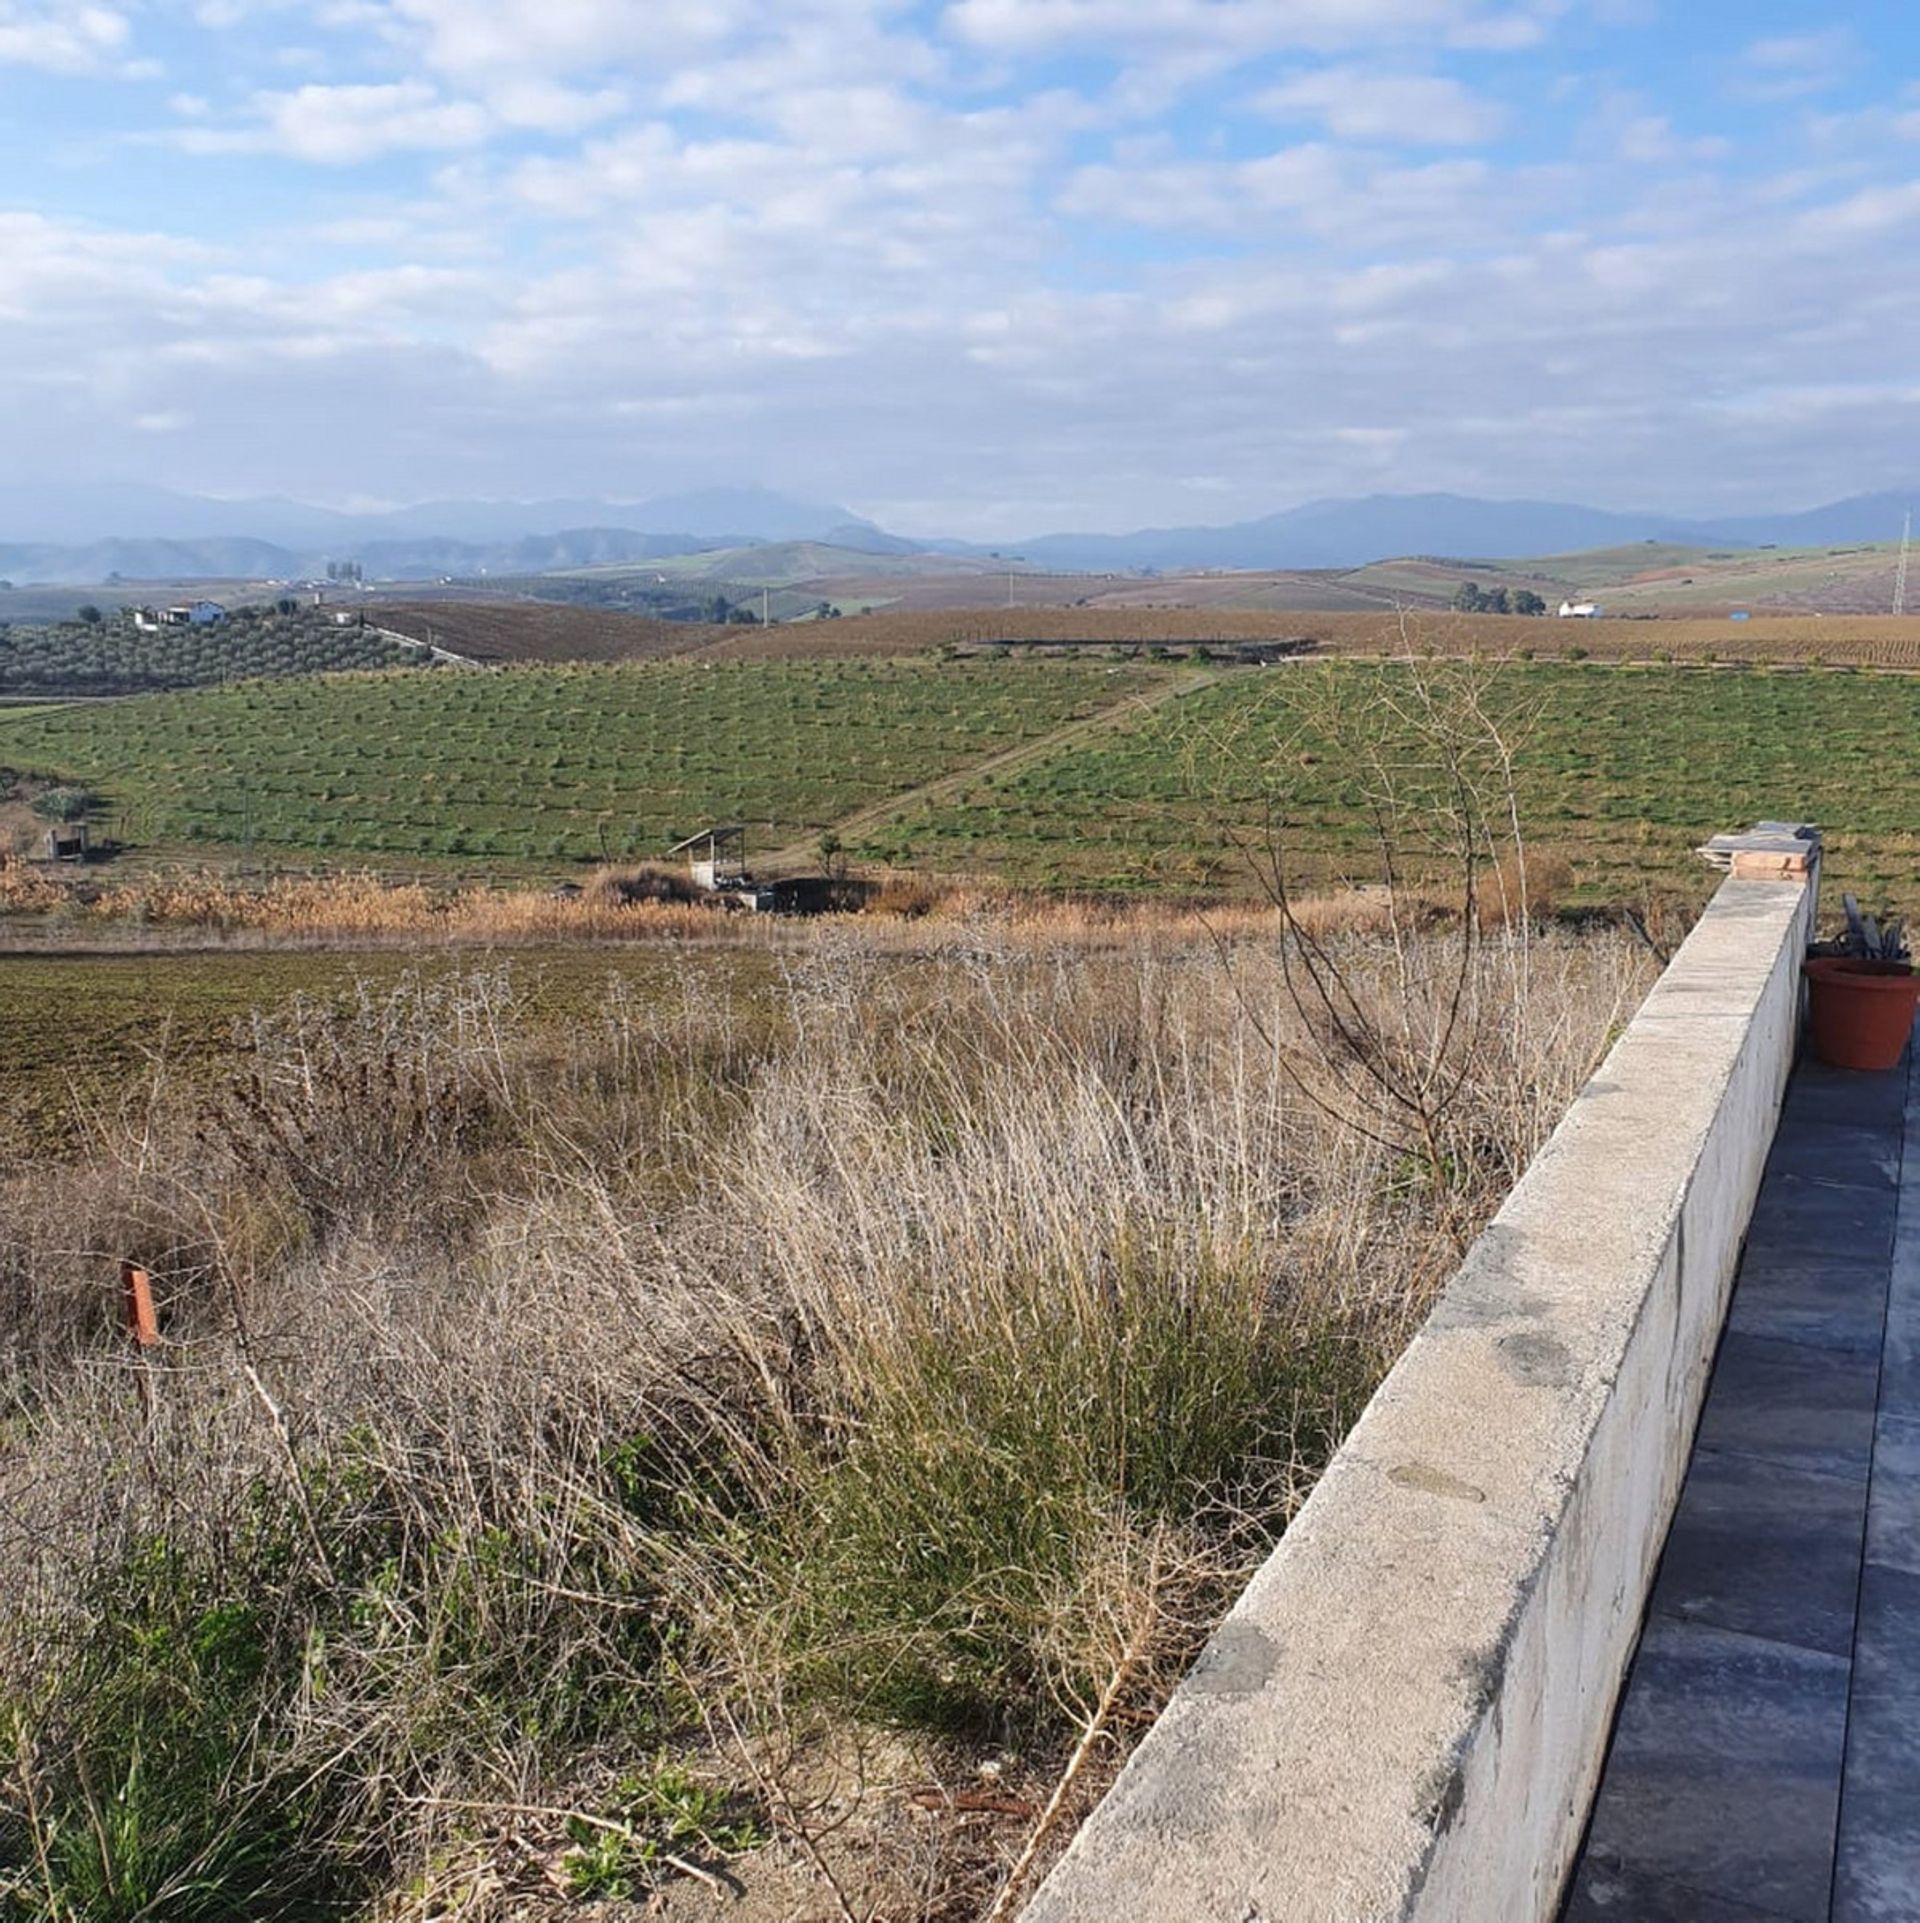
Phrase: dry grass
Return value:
(647, 902)
(562, 1450)
(614, 904)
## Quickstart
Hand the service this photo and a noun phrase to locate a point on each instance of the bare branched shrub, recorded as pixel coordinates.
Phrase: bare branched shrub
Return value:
(1424, 752)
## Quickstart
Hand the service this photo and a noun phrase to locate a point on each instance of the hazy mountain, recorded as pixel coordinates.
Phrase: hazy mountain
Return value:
(94, 562)
(424, 557)
(130, 510)
(50, 513)
(414, 558)
(1862, 517)
(756, 513)
(77, 535)
(1350, 533)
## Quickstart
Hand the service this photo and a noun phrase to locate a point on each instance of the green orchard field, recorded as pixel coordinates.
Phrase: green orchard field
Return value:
(544, 764)
(1056, 773)
(1621, 773)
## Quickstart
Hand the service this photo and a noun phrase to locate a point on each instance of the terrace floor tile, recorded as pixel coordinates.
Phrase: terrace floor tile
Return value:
(1826, 1301)
(1603, 1895)
(1765, 1550)
(1877, 1878)
(1792, 1403)
(1850, 1155)
(1765, 1760)
(1799, 1212)
(1725, 1769)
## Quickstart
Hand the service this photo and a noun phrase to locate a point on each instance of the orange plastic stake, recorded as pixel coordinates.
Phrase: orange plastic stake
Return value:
(137, 1301)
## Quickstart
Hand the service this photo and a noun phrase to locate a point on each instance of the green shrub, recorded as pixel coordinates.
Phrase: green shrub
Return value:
(63, 804)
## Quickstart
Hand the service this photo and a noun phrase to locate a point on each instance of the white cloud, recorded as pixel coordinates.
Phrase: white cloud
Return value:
(469, 38)
(338, 126)
(1357, 103)
(1651, 140)
(63, 37)
(1340, 197)
(1791, 66)
(607, 237)
(1248, 26)
(57, 267)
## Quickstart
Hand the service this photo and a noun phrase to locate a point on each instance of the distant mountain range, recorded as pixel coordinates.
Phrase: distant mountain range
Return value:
(1349, 533)
(89, 535)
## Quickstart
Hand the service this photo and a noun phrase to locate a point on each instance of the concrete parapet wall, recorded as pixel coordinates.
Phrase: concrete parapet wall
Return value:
(1405, 1715)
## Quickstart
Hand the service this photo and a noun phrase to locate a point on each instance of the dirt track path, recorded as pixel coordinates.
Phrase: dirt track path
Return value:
(806, 854)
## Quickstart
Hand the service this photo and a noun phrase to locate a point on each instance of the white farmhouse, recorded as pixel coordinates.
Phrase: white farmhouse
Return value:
(196, 614)
(1579, 611)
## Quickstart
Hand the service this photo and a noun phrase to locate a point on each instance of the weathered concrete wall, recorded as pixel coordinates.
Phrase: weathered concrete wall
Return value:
(1405, 1715)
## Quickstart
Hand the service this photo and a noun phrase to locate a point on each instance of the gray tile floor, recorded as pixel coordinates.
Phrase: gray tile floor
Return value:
(1765, 1764)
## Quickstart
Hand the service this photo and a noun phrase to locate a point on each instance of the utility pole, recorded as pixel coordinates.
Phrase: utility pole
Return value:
(1900, 573)
(766, 620)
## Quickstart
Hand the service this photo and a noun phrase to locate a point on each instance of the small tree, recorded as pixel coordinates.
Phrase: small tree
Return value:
(1426, 750)
(89, 616)
(63, 804)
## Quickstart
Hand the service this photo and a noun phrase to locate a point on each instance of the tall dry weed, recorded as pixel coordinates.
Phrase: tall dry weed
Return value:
(934, 1347)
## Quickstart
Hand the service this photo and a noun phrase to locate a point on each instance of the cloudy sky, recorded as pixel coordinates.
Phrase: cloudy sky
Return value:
(983, 267)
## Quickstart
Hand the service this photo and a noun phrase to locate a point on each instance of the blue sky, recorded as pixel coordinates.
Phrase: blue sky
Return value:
(986, 267)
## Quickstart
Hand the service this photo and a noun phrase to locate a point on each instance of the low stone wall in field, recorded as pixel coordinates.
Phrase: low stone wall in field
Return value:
(1405, 1715)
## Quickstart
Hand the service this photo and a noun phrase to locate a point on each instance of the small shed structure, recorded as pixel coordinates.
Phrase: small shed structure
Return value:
(64, 841)
(716, 856)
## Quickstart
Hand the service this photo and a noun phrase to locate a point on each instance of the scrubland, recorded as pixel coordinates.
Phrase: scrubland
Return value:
(782, 1428)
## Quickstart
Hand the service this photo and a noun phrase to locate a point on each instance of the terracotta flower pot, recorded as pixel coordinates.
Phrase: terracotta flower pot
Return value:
(1861, 1012)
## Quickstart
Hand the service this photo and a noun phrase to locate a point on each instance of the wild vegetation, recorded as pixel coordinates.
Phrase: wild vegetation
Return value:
(704, 1419)
(110, 655)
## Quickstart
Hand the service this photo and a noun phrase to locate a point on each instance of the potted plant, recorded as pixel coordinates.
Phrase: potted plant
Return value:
(1861, 991)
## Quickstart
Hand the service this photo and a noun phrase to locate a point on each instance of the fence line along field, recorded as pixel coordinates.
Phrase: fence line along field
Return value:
(545, 764)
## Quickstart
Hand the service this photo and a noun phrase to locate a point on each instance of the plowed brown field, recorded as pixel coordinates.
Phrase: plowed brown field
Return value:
(1837, 640)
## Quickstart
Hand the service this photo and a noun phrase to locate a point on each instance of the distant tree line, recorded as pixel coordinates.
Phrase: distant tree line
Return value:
(1472, 598)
